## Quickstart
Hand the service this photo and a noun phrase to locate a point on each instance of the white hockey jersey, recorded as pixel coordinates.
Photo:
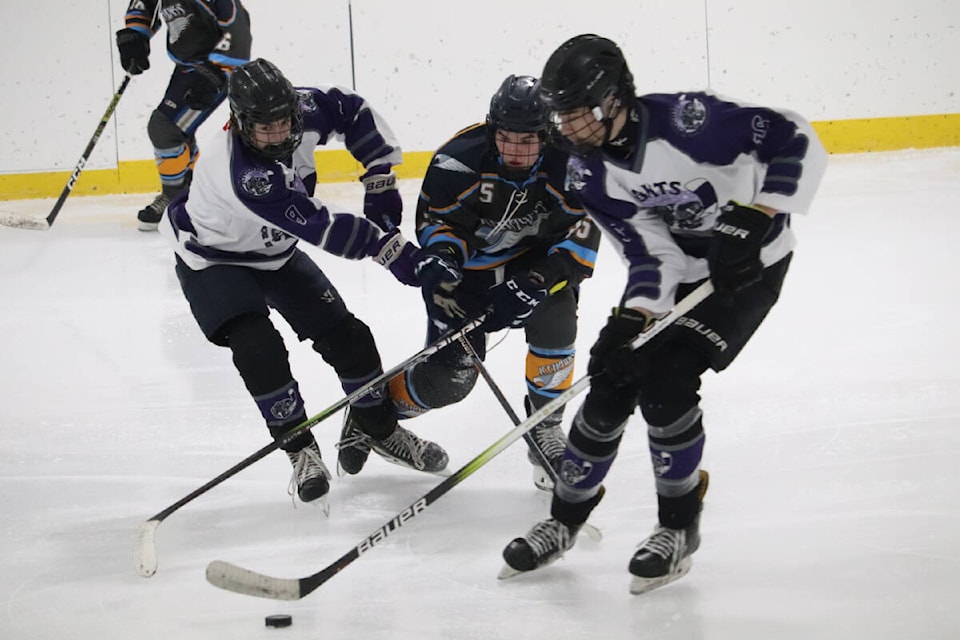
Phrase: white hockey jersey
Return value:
(242, 209)
(690, 154)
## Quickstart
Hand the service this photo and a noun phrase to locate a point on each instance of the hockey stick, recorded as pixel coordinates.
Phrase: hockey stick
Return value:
(145, 554)
(42, 224)
(239, 580)
(502, 399)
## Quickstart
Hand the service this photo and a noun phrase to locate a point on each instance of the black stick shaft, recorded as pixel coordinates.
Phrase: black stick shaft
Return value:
(86, 152)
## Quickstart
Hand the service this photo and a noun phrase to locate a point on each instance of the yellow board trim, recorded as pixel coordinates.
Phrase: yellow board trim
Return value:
(140, 176)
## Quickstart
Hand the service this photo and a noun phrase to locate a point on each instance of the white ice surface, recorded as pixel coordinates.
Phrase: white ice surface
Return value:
(833, 444)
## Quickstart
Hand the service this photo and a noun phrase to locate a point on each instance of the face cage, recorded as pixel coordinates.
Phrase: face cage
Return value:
(578, 149)
(280, 151)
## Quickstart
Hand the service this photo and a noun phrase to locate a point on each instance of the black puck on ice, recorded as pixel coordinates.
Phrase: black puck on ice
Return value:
(279, 620)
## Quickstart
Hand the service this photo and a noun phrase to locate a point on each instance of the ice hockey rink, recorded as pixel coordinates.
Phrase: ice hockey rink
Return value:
(833, 444)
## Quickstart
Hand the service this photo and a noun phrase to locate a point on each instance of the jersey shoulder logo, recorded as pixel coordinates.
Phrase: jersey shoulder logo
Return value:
(577, 174)
(449, 163)
(307, 103)
(689, 115)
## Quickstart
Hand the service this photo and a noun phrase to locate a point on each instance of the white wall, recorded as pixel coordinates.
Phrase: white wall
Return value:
(431, 65)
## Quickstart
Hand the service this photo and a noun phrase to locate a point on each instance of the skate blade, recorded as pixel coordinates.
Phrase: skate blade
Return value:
(642, 585)
(508, 572)
(322, 503)
(541, 479)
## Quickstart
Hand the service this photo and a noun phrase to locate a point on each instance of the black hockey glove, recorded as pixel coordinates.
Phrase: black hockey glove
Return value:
(439, 273)
(205, 83)
(382, 204)
(134, 49)
(611, 355)
(734, 254)
(513, 300)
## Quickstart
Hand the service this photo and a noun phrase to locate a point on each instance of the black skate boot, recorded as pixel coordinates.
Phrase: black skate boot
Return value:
(402, 447)
(150, 215)
(353, 448)
(544, 544)
(550, 439)
(665, 556)
(311, 478)
(547, 541)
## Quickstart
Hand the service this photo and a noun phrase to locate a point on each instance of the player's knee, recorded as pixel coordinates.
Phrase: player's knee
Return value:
(438, 384)
(163, 133)
(674, 390)
(606, 409)
(349, 348)
(258, 353)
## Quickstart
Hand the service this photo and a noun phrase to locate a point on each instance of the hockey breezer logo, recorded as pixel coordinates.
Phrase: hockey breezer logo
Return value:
(398, 521)
(712, 336)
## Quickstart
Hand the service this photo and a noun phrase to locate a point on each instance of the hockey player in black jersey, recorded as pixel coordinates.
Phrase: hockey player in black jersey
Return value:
(206, 39)
(498, 232)
(688, 186)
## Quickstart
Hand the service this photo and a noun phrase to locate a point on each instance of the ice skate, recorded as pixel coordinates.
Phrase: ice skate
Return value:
(150, 215)
(665, 556)
(402, 448)
(544, 544)
(353, 448)
(549, 437)
(311, 478)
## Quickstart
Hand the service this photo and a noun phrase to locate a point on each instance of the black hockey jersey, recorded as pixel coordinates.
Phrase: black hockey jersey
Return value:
(469, 200)
(198, 31)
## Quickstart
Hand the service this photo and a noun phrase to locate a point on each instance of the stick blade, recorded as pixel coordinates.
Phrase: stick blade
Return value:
(24, 222)
(145, 550)
(239, 580)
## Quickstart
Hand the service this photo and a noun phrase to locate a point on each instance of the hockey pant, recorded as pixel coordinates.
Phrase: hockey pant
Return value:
(708, 337)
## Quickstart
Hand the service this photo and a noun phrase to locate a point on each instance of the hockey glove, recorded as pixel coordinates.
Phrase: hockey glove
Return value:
(439, 273)
(611, 355)
(734, 254)
(513, 301)
(134, 49)
(205, 83)
(399, 256)
(382, 204)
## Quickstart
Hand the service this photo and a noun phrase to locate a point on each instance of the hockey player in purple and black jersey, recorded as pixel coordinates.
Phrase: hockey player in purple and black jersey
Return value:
(688, 186)
(498, 232)
(206, 39)
(235, 233)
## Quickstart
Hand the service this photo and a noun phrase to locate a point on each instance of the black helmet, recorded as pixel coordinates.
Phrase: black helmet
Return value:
(259, 94)
(583, 72)
(516, 106)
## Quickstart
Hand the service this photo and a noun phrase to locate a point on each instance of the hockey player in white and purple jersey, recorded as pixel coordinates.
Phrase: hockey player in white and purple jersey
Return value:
(235, 234)
(687, 186)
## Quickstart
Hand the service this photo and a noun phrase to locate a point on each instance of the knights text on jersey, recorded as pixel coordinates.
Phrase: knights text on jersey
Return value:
(697, 152)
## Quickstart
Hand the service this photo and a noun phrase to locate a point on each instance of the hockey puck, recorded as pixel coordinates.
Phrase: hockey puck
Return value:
(279, 620)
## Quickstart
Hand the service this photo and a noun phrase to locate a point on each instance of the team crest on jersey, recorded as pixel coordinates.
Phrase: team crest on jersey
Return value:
(577, 174)
(307, 103)
(688, 205)
(689, 115)
(256, 182)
